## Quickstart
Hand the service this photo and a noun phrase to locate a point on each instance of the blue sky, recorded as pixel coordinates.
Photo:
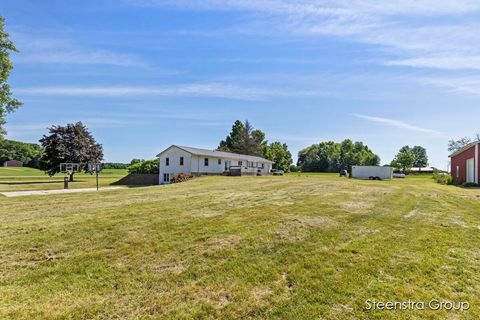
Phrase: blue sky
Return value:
(145, 74)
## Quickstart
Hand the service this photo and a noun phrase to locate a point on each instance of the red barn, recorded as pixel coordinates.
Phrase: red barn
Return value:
(465, 164)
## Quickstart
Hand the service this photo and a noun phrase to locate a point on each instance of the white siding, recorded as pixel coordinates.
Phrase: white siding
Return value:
(174, 166)
(198, 165)
(194, 164)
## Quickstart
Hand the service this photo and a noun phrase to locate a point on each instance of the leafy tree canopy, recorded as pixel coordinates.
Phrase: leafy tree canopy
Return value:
(421, 157)
(333, 157)
(404, 159)
(279, 154)
(7, 103)
(70, 143)
(28, 153)
(135, 160)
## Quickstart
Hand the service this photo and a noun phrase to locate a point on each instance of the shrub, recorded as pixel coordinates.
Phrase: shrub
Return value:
(443, 178)
(149, 166)
(181, 177)
(115, 165)
(294, 168)
(470, 185)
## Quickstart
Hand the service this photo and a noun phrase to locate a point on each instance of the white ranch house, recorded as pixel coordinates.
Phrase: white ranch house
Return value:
(179, 159)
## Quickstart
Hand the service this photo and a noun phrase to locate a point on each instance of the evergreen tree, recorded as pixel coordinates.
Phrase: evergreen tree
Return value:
(244, 139)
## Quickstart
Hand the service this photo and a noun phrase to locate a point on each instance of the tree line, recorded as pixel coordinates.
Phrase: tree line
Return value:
(332, 156)
(29, 153)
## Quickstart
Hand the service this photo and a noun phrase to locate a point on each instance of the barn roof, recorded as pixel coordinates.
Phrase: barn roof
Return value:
(219, 154)
(468, 146)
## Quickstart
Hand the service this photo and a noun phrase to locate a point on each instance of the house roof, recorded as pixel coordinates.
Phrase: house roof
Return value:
(218, 154)
(468, 146)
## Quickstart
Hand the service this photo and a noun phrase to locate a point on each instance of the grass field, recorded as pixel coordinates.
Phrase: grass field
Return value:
(291, 247)
(23, 179)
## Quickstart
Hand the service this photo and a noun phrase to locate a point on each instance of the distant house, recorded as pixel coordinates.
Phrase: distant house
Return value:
(427, 170)
(13, 163)
(465, 164)
(179, 159)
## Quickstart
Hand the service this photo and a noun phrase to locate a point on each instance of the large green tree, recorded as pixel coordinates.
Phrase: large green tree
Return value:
(404, 160)
(244, 139)
(7, 103)
(333, 157)
(72, 143)
(279, 154)
(421, 157)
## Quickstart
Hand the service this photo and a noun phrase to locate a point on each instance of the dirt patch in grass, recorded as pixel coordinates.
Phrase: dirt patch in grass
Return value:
(223, 243)
(298, 228)
(170, 267)
(206, 213)
(411, 214)
(315, 221)
(356, 206)
(260, 294)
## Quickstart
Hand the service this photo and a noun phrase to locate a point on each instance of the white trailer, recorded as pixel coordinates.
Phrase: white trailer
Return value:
(372, 172)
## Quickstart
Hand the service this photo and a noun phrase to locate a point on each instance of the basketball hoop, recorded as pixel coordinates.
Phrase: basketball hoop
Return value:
(69, 167)
(95, 168)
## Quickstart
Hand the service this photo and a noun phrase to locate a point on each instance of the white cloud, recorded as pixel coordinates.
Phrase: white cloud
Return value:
(218, 90)
(35, 49)
(79, 57)
(419, 33)
(454, 62)
(455, 84)
(394, 123)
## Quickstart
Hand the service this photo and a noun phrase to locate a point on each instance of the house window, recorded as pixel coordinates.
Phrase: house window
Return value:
(167, 161)
(220, 162)
(181, 161)
(166, 177)
(205, 162)
(458, 171)
(263, 165)
(240, 163)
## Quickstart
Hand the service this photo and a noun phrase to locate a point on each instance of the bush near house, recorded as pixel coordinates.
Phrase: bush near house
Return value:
(149, 166)
(181, 177)
(443, 178)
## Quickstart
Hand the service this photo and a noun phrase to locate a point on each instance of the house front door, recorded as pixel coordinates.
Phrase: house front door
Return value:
(471, 170)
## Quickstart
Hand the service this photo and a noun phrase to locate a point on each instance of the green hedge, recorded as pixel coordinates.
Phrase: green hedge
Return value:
(149, 166)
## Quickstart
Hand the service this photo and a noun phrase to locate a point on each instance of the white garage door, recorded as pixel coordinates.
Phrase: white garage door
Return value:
(471, 170)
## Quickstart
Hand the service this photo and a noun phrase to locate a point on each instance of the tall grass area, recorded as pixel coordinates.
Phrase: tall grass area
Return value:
(291, 247)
